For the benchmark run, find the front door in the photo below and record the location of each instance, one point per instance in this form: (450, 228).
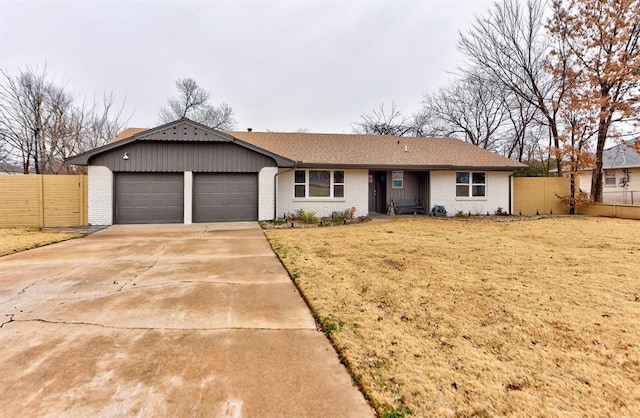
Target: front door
(377, 192)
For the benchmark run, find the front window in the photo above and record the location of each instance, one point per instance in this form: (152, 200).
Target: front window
(318, 183)
(397, 180)
(610, 177)
(300, 183)
(470, 184)
(338, 183)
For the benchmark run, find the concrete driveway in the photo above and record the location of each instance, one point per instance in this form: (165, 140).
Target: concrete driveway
(155, 320)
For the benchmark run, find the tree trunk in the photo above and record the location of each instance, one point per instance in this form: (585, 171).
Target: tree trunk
(596, 178)
(572, 198)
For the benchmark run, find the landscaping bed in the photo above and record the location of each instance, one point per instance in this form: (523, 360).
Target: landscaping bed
(440, 317)
(306, 219)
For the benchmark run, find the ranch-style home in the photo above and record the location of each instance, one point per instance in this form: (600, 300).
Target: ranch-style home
(184, 172)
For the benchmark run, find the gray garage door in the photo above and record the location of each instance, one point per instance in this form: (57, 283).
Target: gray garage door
(225, 197)
(149, 198)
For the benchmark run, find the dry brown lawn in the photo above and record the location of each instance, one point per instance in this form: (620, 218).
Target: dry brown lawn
(20, 239)
(444, 317)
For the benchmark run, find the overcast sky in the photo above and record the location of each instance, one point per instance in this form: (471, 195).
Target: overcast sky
(282, 65)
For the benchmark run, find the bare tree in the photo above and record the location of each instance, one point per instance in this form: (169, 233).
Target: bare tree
(509, 45)
(105, 120)
(193, 102)
(525, 130)
(381, 122)
(471, 108)
(41, 124)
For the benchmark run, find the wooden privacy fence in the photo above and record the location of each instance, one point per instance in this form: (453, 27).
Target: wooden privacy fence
(40, 201)
(613, 211)
(533, 195)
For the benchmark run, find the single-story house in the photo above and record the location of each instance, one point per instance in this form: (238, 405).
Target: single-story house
(620, 175)
(186, 172)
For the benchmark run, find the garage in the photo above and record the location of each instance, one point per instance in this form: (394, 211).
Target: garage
(149, 198)
(180, 172)
(225, 197)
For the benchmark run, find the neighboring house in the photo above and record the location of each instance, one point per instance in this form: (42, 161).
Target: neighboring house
(620, 175)
(187, 172)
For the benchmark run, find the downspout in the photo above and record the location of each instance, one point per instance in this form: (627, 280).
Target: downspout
(275, 190)
(510, 197)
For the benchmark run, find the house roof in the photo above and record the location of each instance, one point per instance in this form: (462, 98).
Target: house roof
(127, 133)
(182, 130)
(327, 150)
(622, 155)
(310, 149)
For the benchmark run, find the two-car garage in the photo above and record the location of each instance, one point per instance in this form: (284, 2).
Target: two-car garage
(181, 172)
(159, 197)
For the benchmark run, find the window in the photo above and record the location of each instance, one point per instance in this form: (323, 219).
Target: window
(318, 183)
(300, 183)
(610, 177)
(470, 184)
(397, 179)
(338, 184)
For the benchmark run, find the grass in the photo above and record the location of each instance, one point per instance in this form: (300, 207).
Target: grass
(20, 239)
(438, 317)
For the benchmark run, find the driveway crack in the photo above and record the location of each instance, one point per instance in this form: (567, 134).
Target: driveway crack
(135, 276)
(9, 321)
(93, 324)
(24, 290)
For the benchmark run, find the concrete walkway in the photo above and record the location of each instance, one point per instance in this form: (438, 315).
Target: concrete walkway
(175, 320)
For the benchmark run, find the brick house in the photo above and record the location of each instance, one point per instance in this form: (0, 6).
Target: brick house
(186, 172)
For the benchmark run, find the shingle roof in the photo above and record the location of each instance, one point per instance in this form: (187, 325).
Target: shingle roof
(129, 132)
(350, 150)
(376, 150)
(621, 156)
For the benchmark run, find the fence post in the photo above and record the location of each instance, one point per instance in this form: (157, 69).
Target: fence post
(81, 203)
(41, 198)
(546, 195)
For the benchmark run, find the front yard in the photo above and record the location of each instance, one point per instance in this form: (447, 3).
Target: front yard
(444, 317)
(20, 239)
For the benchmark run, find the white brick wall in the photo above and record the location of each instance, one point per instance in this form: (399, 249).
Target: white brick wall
(356, 193)
(266, 193)
(100, 195)
(443, 192)
(188, 197)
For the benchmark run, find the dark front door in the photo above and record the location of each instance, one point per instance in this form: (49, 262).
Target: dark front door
(377, 192)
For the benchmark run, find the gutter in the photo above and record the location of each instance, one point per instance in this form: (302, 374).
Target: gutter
(510, 193)
(275, 189)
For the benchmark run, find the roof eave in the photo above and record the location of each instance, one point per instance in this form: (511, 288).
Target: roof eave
(83, 158)
(420, 167)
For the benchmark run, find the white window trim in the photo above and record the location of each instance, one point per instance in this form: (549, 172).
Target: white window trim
(332, 183)
(471, 184)
(401, 179)
(615, 179)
